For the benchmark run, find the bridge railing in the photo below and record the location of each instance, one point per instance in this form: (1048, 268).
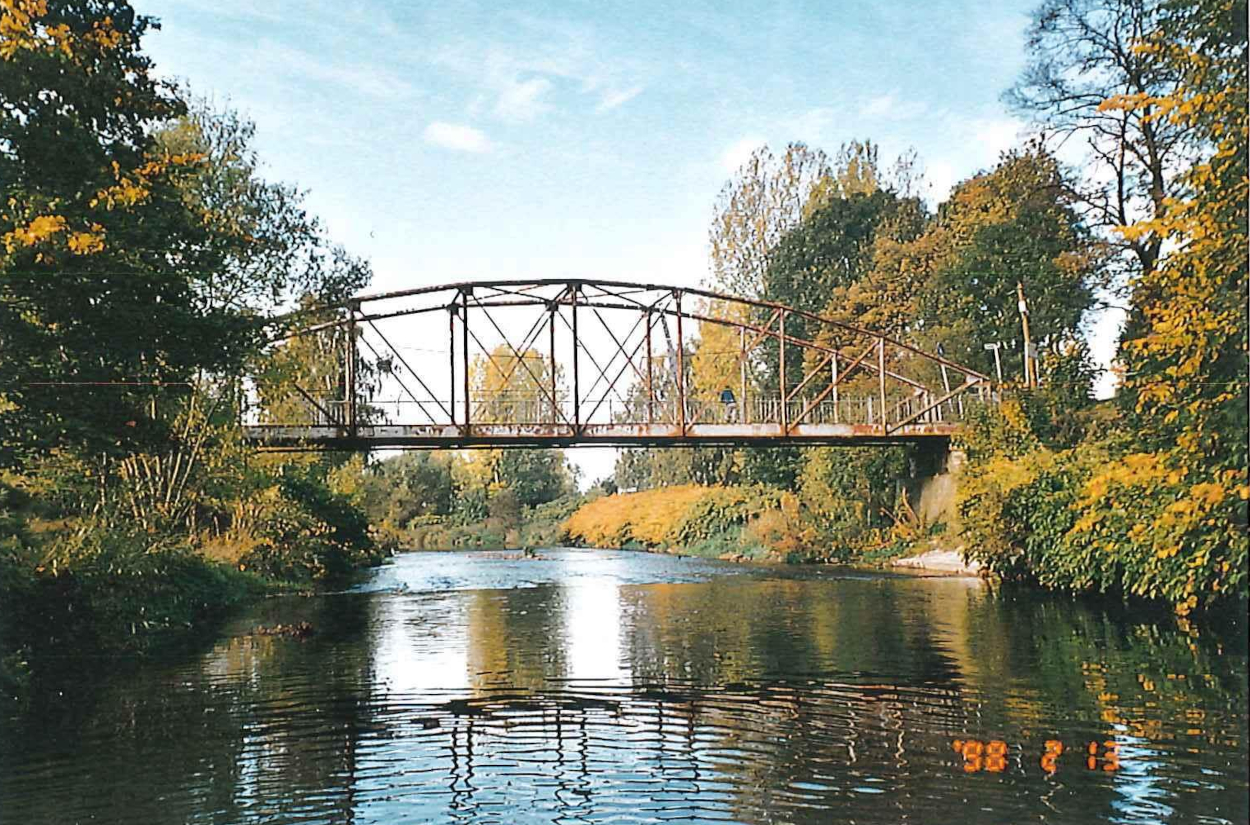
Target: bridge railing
(537, 410)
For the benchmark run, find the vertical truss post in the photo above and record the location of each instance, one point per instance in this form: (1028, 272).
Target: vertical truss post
(742, 375)
(577, 401)
(834, 385)
(464, 356)
(881, 377)
(681, 372)
(350, 370)
(781, 369)
(650, 374)
(552, 309)
(451, 358)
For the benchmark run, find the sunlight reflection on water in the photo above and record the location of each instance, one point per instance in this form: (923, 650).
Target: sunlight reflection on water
(596, 686)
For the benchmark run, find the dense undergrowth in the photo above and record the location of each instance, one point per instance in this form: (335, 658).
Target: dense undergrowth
(74, 582)
(1100, 514)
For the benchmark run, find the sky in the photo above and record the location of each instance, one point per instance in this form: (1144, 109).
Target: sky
(454, 140)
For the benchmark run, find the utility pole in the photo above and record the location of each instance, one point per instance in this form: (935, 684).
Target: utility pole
(998, 362)
(1030, 366)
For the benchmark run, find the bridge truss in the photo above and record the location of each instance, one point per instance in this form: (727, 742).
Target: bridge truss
(562, 362)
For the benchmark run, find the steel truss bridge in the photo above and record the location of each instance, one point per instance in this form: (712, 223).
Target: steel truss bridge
(563, 362)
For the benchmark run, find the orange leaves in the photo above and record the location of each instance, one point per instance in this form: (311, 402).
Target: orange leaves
(45, 230)
(18, 25)
(38, 231)
(647, 517)
(22, 29)
(86, 243)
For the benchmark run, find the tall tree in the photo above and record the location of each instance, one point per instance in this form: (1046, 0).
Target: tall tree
(92, 303)
(755, 209)
(1187, 366)
(261, 249)
(1014, 224)
(1082, 54)
(139, 251)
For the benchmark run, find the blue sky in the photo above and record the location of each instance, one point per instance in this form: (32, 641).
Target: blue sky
(457, 140)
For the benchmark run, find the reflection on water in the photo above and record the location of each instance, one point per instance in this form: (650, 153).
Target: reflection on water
(615, 687)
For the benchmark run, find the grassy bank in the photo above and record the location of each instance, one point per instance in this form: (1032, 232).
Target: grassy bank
(739, 523)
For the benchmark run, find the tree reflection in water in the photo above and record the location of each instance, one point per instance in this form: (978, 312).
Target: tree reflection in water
(627, 687)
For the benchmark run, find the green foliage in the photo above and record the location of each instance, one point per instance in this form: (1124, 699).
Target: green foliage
(308, 531)
(847, 492)
(409, 486)
(720, 511)
(1016, 514)
(993, 430)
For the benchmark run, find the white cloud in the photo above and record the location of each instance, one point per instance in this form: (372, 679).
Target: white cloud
(739, 151)
(940, 177)
(890, 107)
(456, 137)
(542, 65)
(812, 126)
(374, 81)
(613, 99)
(522, 100)
(996, 135)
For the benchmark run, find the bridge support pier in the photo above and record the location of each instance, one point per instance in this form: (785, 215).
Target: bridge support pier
(935, 482)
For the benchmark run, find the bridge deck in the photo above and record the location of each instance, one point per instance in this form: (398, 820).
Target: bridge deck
(618, 435)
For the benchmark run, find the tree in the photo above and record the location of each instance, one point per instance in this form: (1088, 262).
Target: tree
(1082, 54)
(139, 252)
(1014, 224)
(92, 308)
(765, 199)
(507, 386)
(407, 486)
(1187, 365)
(262, 249)
(953, 284)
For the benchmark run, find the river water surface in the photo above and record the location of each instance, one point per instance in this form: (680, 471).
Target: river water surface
(604, 686)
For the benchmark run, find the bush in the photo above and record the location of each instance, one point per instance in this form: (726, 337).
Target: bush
(308, 531)
(117, 590)
(1100, 517)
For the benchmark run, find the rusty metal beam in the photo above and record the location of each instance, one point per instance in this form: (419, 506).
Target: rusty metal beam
(414, 375)
(942, 400)
(657, 288)
(807, 378)
(515, 354)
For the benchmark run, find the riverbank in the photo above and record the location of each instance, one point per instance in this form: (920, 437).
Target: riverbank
(126, 594)
(949, 562)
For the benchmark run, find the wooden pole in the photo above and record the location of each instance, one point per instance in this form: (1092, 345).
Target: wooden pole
(834, 377)
(1030, 368)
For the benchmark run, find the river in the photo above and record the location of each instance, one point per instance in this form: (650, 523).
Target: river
(606, 686)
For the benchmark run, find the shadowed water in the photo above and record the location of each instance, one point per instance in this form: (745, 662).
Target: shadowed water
(597, 686)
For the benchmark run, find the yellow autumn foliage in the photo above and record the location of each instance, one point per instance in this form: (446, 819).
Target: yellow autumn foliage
(646, 517)
(37, 231)
(23, 28)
